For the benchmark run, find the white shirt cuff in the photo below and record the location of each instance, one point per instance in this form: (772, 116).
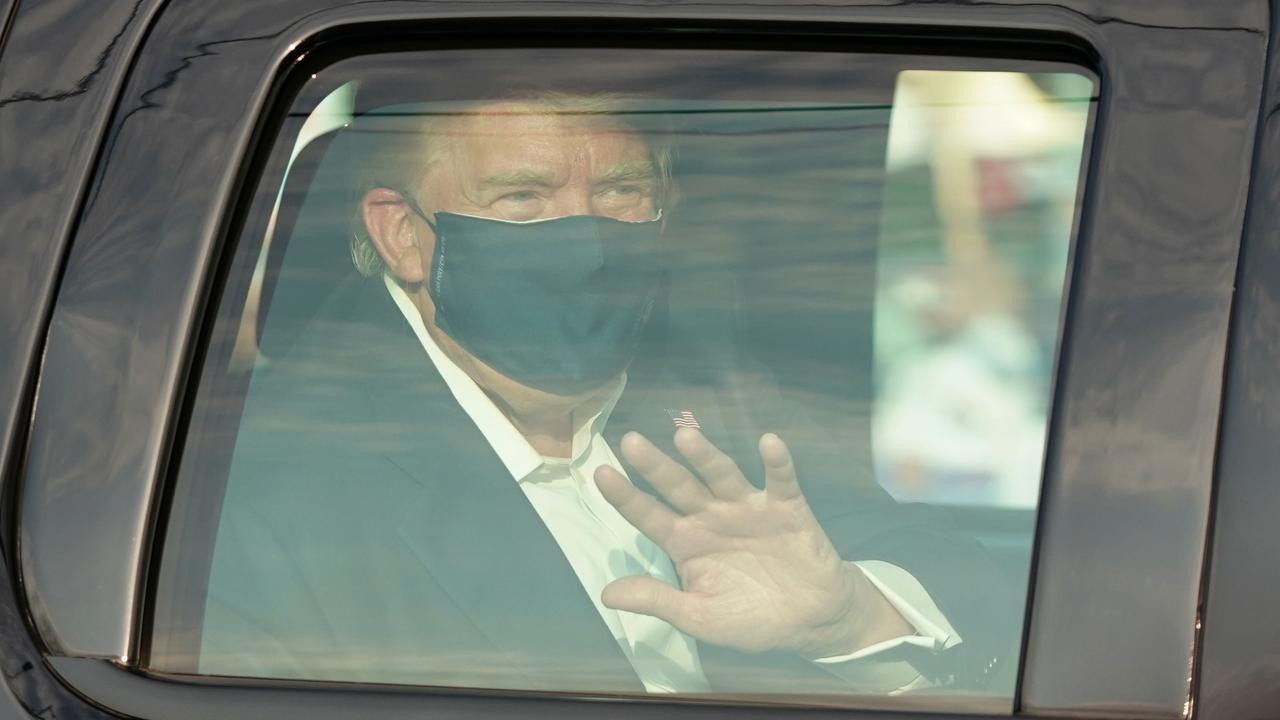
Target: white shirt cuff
(913, 603)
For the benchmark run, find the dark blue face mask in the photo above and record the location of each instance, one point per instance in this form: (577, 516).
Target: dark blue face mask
(558, 305)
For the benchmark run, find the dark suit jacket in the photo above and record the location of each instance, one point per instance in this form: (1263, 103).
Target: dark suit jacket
(369, 532)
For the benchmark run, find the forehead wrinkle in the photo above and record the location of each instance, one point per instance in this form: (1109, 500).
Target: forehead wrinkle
(445, 171)
(480, 165)
(518, 160)
(545, 148)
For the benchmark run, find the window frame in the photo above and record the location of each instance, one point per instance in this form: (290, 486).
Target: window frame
(1235, 675)
(171, 335)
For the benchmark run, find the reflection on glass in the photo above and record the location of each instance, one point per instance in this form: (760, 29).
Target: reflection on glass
(576, 390)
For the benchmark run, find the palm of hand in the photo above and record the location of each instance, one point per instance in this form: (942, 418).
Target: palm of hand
(758, 573)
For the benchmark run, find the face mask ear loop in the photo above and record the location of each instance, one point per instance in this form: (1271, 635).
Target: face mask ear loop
(417, 209)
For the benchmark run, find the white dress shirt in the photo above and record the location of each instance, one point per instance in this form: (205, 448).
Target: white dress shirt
(601, 546)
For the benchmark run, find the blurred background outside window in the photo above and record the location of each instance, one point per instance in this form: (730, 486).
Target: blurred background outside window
(976, 231)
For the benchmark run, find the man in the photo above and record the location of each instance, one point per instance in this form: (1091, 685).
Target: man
(477, 526)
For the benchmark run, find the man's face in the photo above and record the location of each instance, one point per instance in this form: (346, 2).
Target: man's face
(509, 162)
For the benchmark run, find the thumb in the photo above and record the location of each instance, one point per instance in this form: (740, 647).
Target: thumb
(647, 596)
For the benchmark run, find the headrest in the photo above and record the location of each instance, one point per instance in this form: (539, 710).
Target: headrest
(310, 249)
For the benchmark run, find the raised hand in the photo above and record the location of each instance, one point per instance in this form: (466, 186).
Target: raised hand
(757, 571)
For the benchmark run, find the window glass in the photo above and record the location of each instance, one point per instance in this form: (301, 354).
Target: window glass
(974, 233)
(615, 370)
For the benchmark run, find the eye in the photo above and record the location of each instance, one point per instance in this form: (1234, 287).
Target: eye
(522, 196)
(624, 193)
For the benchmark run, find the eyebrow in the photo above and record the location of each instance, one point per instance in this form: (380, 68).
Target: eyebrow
(629, 171)
(532, 178)
(519, 178)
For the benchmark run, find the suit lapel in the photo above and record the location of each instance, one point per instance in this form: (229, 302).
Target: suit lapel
(484, 545)
(474, 531)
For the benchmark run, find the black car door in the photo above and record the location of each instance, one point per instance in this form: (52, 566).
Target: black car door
(138, 140)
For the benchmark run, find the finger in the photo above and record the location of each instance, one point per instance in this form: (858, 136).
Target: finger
(717, 470)
(641, 509)
(647, 596)
(667, 476)
(779, 472)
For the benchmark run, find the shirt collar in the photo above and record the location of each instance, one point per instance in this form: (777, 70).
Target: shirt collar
(512, 448)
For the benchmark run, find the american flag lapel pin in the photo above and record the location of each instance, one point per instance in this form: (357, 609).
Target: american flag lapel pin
(683, 418)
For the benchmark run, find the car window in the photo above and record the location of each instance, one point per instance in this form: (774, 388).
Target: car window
(709, 373)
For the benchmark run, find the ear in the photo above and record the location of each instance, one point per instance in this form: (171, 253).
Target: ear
(391, 228)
